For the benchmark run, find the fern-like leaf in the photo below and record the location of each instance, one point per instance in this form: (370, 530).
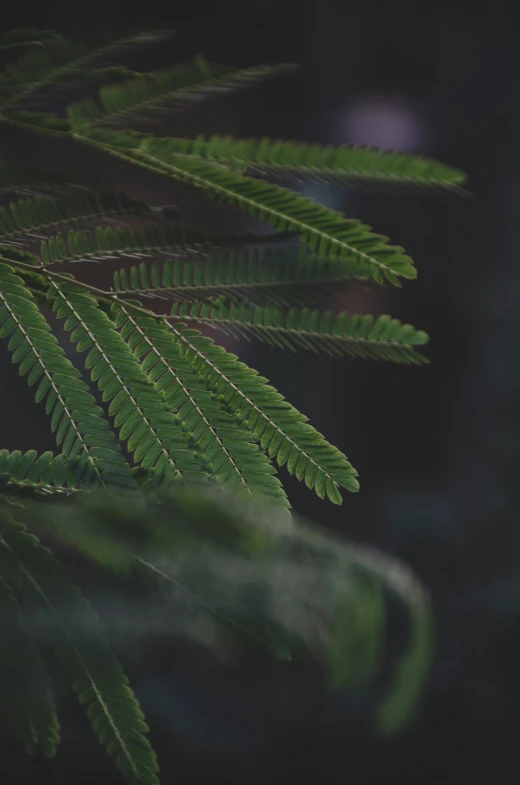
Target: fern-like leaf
(77, 420)
(42, 474)
(63, 61)
(400, 704)
(263, 412)
(108, 242)
(228, 454)
(325, 231)
(274, 276)
(79, 644)
(122, 102)
(26, 218)
(316, 161)
(153, 435)
(27, 703)
(381, 338)
(354, 654)
(115, 532)
(345, 610)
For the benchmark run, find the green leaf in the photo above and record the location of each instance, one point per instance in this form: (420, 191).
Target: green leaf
(264, 413)
(105, 243)
(324, 231)
(79, 645)
(30, 474)
(78, 421)
(353, 657)
(379, 338)
(27, 705)
(226, 452)
(132, 398)
(28, 216)
(62, 60)
(128, 101)
(281, 276)
(316, 161)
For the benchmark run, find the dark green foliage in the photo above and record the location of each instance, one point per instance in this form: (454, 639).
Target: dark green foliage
(301, 328)
(63, 61)
(151, 240)
(95, 674)
(215, 548)
(281, 277)
(27, 704)
(227, 453)
(126, 102)
(280, 429)
(78, 422)
(173, 408)
(20, 218)
(346, 162)
(137, 410)
(211, 548)
(43, 474)
(324, 231)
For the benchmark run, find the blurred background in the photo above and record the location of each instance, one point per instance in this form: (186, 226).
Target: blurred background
(437, 448)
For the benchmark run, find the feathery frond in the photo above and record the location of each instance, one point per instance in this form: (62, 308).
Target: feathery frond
(27, 218)
(79, 645)
(411, 671)
(228, 454)
(324, 231)
(216, 539)
(78, 422)
(400, 702)
(112, 242)
(64, 61)
(125, 102)
(281, 277)
(153, 436)
(27, 704)
(263, 412)
(355, 651)
(186, 411)
(381, 338)
(42, 474)
(314, 160)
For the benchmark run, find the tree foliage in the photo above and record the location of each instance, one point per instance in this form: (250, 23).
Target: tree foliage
(148, 405)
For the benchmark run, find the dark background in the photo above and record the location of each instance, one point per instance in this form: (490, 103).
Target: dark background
(436, 447)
